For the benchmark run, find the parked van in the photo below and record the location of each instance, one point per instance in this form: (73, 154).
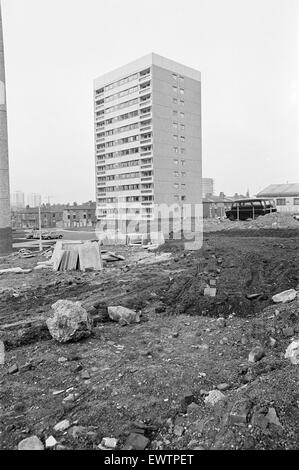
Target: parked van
(243, 209)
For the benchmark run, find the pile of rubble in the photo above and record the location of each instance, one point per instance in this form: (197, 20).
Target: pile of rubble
(270, 221)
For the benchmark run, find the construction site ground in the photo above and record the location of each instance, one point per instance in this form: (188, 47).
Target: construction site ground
(142, 378)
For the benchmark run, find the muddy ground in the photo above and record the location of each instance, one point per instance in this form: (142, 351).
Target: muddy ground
(152, 378)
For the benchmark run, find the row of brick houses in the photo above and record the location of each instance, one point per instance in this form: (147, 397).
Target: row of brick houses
(286, 197)
(56, 216)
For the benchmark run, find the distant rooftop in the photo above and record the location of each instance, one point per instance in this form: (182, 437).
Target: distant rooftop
(143, 62)
(276, 190)
(220, 198)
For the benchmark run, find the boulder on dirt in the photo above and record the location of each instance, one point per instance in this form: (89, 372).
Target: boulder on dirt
(214, 397)
(123, 315)
(285, 296)
(31, 443)
(292, 352)
(256, 354)
(69, 322)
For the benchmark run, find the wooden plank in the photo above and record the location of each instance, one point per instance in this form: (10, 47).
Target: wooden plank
(90, 257)
(57, 260)
(73, 259)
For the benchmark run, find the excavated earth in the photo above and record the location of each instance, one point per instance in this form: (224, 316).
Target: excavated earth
(142, 378)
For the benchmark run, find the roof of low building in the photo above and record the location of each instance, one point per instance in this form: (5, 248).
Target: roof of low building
(210, 198)
(276, 190)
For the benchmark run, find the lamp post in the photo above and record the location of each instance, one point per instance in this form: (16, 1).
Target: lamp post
(5, 216)
(40, 229)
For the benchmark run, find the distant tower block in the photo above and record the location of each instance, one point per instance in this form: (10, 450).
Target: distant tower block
(5, 219)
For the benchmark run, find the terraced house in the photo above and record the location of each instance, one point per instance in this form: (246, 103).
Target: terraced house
(147, 139)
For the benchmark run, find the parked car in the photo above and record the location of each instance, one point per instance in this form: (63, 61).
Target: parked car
(244, 209)
(51, 236)
(33, 235)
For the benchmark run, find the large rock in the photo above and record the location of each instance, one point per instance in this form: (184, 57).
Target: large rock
(31, 443)
(69, 322)
(256, 354)
(214, 397)
(292, 352)
(285, 296)
(123, 315)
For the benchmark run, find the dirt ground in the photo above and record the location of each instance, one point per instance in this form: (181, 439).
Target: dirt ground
(152, 378)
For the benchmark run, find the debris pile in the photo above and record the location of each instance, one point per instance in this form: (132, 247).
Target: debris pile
(269, 221)
(76, 256)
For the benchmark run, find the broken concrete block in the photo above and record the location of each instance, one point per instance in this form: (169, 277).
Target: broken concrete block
(289, 331)
(193, 407)
(123, 314)
(256, 354)
(31, 443)
(13, 369)
(136, 442)
(214, 397)
(259, 419)
(272, 342)
(178, 431)
(285, 296)
(62, 425)
(239, 412)
(51, 442)
(85, 375)
(69, 322)
(109, 442)
(292, 352)
(272, 417)
(77, 431)
(15, 271)
(210, 291)
(186, 400)
(26, 367)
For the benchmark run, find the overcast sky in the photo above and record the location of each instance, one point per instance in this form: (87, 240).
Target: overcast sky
(246, 50)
